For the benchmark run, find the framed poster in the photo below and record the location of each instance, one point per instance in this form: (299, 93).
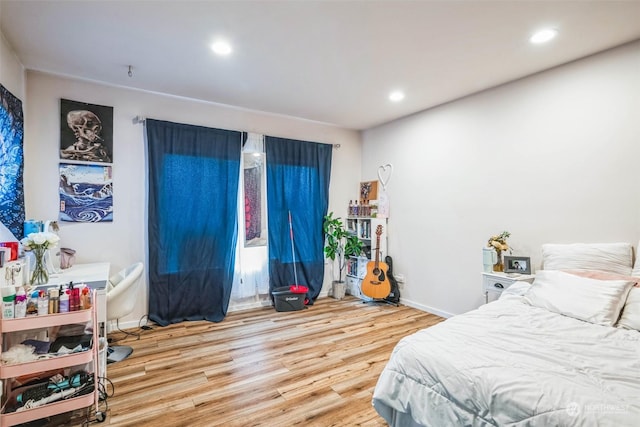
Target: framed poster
(368, 191)
(86, 132)
(86, 193)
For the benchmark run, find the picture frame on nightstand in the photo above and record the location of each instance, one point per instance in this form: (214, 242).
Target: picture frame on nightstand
(517, 264)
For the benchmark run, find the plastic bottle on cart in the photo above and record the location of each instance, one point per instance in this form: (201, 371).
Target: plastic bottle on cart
(74, 297)
(54, 300)
(75, 306)
(32, 304)
(64, 300)
(8, 302)
(85, 298)
(43, 303)
(21, 303)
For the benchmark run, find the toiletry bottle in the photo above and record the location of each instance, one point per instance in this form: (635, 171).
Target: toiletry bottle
(85, 299)
(74, 298)
(64, 301)
(8, 306)
(54, 300)
(21, 303)
(32, 304)
(51, 303)
(71, 298)
(43, 303)
(8, 301)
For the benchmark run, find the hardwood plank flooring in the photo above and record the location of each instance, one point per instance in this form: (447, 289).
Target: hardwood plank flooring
(314, 367)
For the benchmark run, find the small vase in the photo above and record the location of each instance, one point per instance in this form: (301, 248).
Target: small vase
(498, 266)
(40, 274)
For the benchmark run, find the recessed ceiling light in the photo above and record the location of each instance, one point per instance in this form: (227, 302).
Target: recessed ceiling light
(221, 47)
(396, 96)
(543, 36)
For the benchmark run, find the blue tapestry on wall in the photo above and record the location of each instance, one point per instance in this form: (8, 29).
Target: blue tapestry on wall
(11, 163)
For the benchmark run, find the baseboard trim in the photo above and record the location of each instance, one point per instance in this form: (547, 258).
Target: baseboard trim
(259, 304)
(250, 305)
(426, 308)
(131, 324)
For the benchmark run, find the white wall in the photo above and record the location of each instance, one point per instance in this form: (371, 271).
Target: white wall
(123, 241)
(11, 70)
(550, 158)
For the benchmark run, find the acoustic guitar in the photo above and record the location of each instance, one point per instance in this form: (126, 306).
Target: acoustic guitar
(376, 282)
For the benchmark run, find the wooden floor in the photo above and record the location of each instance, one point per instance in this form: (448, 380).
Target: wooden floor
(314, 367)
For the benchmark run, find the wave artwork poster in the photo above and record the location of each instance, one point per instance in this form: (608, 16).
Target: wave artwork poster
(86, 193)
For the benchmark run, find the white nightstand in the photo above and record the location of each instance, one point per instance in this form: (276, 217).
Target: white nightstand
(498, 282)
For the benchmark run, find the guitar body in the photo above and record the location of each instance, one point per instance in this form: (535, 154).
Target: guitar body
(376, 283)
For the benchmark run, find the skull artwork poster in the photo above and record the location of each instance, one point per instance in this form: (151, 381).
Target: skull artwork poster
(86, 132)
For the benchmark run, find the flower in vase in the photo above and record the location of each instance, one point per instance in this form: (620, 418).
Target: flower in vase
(499, 242)
(42, 240)
(39, 243)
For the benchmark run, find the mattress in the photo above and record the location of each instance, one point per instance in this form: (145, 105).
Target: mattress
(511, 364)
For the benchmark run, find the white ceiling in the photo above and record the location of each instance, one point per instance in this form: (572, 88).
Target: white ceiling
(327, 61)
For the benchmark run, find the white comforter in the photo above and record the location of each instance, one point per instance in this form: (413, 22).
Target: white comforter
(509, 363)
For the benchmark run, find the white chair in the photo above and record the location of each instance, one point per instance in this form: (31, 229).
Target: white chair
(122, 291)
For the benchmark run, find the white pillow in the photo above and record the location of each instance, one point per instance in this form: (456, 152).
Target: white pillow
(610, 257)
(591, 300)
(630, 318)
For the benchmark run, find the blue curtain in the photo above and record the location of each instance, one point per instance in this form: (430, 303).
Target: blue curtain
(11, 163)
(193, 198)
(298, 175)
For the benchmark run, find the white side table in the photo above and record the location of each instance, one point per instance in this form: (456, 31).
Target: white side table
(497, 282)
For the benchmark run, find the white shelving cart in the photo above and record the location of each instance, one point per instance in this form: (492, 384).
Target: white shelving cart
(365, 229)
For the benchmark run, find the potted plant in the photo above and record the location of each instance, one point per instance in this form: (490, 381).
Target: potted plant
(340, 244)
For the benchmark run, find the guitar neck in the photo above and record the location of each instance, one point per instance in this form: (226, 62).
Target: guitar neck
(377, 249)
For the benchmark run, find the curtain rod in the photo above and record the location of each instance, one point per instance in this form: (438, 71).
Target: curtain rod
(141, 119)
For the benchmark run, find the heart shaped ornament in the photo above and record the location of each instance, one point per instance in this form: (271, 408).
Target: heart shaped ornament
(384, 174)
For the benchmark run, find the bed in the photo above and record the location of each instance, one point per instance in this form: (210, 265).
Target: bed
(563, 351)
